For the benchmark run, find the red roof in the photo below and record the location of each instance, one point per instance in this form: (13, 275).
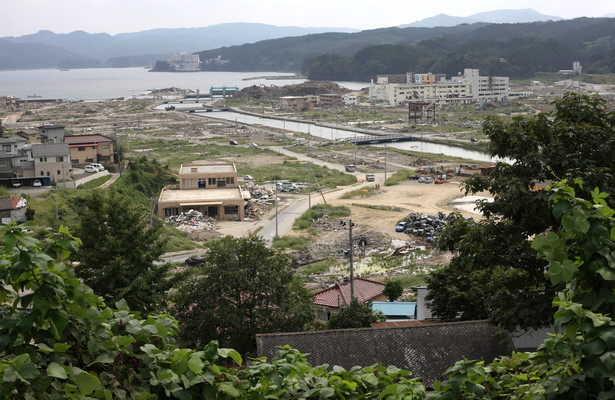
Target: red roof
(364, 290)
(87, 139)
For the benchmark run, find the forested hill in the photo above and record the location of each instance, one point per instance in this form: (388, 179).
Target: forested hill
(515, 50)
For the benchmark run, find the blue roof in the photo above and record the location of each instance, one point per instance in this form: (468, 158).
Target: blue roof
(399, 309)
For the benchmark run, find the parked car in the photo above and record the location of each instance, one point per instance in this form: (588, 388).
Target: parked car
(247, 177)
(401, 226)
(91, 168)
(351, 168)
(233, 143)
(370, 177)
(37, 183)
(428, 180)
(421, 179)
(16, 184)
(254, 145)
(169, 108)
(99, 167)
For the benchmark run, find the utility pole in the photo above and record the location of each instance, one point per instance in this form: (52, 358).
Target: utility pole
(309, 186)
(117, 145)
(355, 150)
(151, 219)
(351, 261)
(276, 210)
(385, 162)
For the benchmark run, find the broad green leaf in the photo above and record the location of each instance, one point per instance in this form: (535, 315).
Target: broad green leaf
(325, 393)
(87, 382)
(561, 272)
(125, 340)
(195, 364)
(232, 354)
(61, 347)
(230, 389)
(56, 370)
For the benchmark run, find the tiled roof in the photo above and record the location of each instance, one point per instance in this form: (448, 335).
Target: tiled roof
(364, 290)
(82, 139)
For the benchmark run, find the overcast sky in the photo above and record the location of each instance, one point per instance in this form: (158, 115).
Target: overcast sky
(19, 17)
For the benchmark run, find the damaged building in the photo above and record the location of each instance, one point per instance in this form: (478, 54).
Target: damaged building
(210, 188)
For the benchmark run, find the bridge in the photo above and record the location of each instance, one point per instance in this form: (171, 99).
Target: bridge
(374, 139)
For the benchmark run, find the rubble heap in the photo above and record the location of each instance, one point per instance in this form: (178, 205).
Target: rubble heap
(425, 225)
(255, 209)
(302, 89)
(193, 220)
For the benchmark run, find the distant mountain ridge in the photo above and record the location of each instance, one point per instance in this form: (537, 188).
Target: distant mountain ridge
(492, 17)
(99, 48)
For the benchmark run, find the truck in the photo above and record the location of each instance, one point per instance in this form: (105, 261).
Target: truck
(351, 168)
(299, 142)
(370, 177)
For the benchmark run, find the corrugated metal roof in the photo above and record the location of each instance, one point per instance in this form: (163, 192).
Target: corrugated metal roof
(364, 290)
(399, 309)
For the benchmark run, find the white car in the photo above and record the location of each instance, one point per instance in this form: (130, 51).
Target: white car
(247, 178)
(254, 145)
(37, 183)
(99, 167)
(90, 168)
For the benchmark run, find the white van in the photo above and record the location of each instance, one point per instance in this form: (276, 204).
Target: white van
(90, 168)
(98, 167)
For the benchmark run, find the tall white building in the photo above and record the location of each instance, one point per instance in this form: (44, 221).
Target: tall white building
(184, 61)
(466, 88)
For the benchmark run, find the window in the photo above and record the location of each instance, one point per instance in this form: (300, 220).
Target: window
(211, 181)
(230, 181)
(105, 146)
(171, 212)
(43, 159)
(2, 164)
(231, 210)
(58, 172)
(80, 148)
(189, 182)
(6, 147)
(48, 174)
(60, 159)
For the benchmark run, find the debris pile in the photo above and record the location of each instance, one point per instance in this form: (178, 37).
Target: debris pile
(302, 89)
(193, 220)
(425, 225)
(255, 209)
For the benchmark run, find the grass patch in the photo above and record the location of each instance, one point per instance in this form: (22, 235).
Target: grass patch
(378, 207)
(177, 240)
(317, 211)
(400, 176)
(292, 242)
(94, 183)
(295, 171)
(360, 193)
(319, 267)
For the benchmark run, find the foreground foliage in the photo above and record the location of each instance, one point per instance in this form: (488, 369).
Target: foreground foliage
(58, 340)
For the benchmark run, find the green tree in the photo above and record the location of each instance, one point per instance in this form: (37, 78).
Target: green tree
(119, 250)
(495, 273)
(355, 315)
(245, 288)
(392, 290)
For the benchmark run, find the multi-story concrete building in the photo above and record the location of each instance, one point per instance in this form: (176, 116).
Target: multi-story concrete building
(298, 103)
(466, 88)
(330, 100)
(210, 188)
(184, 62)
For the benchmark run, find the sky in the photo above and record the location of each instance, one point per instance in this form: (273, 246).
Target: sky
(21, 17)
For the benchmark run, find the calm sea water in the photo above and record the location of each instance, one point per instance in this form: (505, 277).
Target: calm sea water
(110, 83)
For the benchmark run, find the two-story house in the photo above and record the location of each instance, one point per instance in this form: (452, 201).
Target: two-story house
(52, 160)
(13, 154)
(210, 188)
(86, 149)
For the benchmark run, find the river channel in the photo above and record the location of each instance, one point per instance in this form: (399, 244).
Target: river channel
(327, 132)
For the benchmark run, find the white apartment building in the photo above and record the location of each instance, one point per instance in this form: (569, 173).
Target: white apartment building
(184, 61)
(466, 88)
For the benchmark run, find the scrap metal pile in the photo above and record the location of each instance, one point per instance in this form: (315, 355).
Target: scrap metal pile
(425, 225)
(192, 220)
